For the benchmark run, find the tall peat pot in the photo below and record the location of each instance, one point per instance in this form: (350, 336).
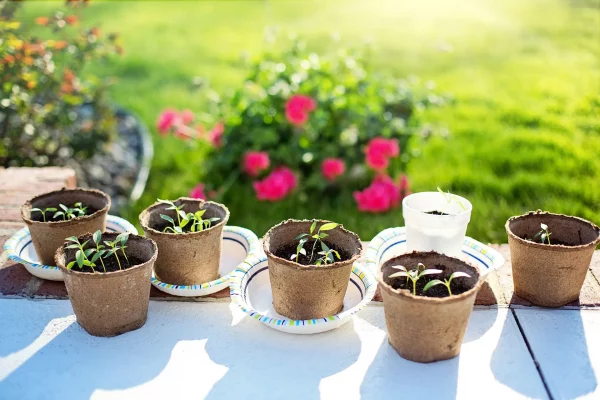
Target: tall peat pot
(550, 275)
(49, 236)
(426, 329)
(111, 303)
(309, 291)
(188, 258)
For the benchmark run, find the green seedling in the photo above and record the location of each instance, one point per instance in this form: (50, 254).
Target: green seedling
(78, 210)
(100, 249)
(451, 197)
(116, 245)
(82, 255)
(327, 256)
(44, 211)
(544, 233)
(197, 223)
(413, 275)
(318, 236)
(446, 282)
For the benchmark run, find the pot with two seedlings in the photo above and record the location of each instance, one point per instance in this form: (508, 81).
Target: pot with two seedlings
(309, 267)
(189, 236)
(428, 298)
(54, 216)
(107, 276)
(550, 255)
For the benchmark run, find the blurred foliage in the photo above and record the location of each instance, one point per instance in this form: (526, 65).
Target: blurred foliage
(353, 105)
(42, 87)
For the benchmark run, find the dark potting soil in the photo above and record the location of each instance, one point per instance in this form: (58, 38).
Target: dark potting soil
(458, 285)
(286, 252)
(37, 216)
(111, 264)
(436, 212)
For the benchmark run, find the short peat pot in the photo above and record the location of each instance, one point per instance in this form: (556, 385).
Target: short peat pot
(309, 284)
(550, 255)
(189, 253)
(436, 221)
(109, 292)
(54, 216)
(427, 324)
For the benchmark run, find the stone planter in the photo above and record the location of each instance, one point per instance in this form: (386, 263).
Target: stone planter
(188, 258)
(550, 275)
(427, 329)
(49, 236)
(430, 232)
(112, 303)
(308, 291)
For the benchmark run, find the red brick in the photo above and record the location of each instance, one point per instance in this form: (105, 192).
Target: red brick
(14, 279)
(52, 289)
(10, 214)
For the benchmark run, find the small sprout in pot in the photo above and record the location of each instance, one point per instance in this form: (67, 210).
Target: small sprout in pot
(183, 220)
(544, 233)
(413, 275)
(44, 211)
(326, 253)
(67, 213)
(450, 198)
(88, 257)
(82, 256)
(446, 282)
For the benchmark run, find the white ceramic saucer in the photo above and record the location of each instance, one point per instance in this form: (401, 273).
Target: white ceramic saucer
(239, 244)
(20, 248)
(391, 242)
(251, 291)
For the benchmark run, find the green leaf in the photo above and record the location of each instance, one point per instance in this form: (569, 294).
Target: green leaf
(88, 252)
(200, 213)
(167, 218)
(65, 208)
(97, 236)
(79, 258)
(398, 274)
(72, 239)
(313, 226)
(58, 214)
(97, 256)
(400, 267)
(430, 272)
(178, 229)
(324, 246)
(337, 254)
(432, 283)
(327, 227)
(51, 209)
(323, 235)
(36, 209)
(315, 236)
(183, 222)
(301, 236)
(182, 214)
(70, 265)
(72, 246)
(459, 274)
(319, 261)
(122, 237)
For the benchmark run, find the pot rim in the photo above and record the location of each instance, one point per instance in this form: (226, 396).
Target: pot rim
(105, 275)
(295, 265)
(552, 247)
(462, 213)
(407, 295)
(28, 205)
(152, 208)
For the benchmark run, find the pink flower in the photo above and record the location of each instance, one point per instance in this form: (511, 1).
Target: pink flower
(187, 116)
(404, 185)
(378, 152)
(198, 192)
(216, 134)
(166, 121)
(277, 185)
(297, 109)
(255, 162)
(332, 168)
(381, 196)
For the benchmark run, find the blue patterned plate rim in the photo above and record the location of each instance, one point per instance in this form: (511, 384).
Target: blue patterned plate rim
(238, 297)
(252, 248)
(11, 244)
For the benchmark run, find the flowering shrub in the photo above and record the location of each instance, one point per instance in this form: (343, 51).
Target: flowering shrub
(42, 89)
(312, 123)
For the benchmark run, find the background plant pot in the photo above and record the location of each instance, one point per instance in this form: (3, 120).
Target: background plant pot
(188, 258)
(108, 304)
(308, 292)
(49, 236)
(428, 232)
(426, 329)
(550, 275)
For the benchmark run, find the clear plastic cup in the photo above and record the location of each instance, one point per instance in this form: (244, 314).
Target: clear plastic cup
(442, 233)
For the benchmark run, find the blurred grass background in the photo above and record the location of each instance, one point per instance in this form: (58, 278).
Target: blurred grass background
(525, 78)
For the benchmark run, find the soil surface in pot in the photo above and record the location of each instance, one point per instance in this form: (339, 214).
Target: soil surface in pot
(111, 264)
(436, 212)
(286, 252)
(458, 285)
(575, 242)
(37, 216)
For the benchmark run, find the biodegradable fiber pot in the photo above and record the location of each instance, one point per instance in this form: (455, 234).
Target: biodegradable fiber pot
(108, 304)
(427, 329)
(550, 275)
(188, 258)
(308, 292)
(49, 236)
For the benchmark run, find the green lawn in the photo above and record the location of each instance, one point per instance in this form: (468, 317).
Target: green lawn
(524, 75)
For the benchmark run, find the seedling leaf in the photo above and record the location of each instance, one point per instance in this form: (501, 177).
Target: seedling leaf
(328, 226)
(431, 284)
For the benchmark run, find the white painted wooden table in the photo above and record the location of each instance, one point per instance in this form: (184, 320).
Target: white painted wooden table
(197, 350)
